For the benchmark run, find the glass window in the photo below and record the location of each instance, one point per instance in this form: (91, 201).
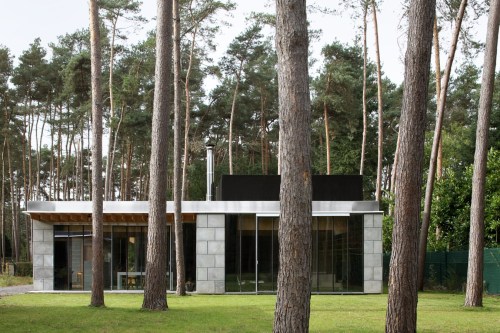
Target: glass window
(268, 254)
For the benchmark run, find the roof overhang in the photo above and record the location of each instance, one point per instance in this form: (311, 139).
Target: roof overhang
(136, 212)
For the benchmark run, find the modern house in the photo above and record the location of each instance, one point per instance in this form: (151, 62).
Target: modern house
(231, 244)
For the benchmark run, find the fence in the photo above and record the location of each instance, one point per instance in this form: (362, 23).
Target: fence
(448, 270)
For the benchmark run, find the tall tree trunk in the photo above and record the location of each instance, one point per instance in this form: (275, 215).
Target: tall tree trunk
(263, 133)
(231, 119)
(15, 225)
(155, 297)
(474, 292)
(128, 174)
(59, 157)
(179, 240)
(378, 190)
(437, 65)
(429, 189)
(365, 112)
(97, 297)
(327, 126)
(4, 147)
(295, 232)
(402, 299)
(109, 165)
(187, 117)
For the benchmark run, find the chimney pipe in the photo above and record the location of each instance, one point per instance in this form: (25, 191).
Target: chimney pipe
(210, 171)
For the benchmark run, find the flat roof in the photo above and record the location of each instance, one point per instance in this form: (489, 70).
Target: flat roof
(116, 212)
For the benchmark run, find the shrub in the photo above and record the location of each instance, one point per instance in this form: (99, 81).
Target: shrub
(24, 269)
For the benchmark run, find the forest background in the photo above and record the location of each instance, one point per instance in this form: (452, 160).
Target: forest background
(230, 98)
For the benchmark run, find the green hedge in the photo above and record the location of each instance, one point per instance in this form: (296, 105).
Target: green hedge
(23, 269)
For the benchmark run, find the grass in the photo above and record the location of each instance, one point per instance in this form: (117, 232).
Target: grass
(233, 313)
(9, 280)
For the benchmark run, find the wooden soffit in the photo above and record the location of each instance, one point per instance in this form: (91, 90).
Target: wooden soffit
(108, 218)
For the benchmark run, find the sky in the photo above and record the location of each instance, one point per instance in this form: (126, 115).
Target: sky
(21, 21)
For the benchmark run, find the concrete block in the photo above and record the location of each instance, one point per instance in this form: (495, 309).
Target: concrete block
(216, 221)
(368, 223)
(377, 273)
(38, 284)
(377, 220)
(220, 234)
(48, 284)
(37, 225)
(38, 235)
(48, 235)
(220, 261)
(202, 274)
(43, 273)
(368, 274)
(205, 260)
(368, 246)
(37, 260)
(205, 234)
(220, 287)
(201, 221)
(377, 246)
(43, 248)
(372, 234)
(216, 274)
(372, 287)
(216, 247)
(205, 287)
(201, 247)
(373, 260)
(48, 260)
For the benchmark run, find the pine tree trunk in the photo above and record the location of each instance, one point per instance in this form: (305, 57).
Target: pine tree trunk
(365, 112)
(474, 292)
(155, 297)
(429, 189)
(4, 147)
(292, 309)
(187, 119)
(179, 240)
(97, 296)
(380, 145)
(402, 300)
(327, 127)
(231, 119)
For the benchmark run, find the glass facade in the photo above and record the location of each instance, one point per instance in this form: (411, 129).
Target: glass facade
(337, 253)
(124, 256)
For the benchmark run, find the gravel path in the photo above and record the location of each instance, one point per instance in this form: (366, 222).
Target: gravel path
(14, 290)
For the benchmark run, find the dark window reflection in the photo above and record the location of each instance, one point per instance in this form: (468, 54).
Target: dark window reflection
(337, 253)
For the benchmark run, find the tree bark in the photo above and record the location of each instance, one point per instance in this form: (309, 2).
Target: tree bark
(429, 189)
(295, 236)
(327, 127)
(155, 297)
(380, 145)
(231, 119)
(108, 185)
(179, 240)
(97, 297)
(402, 300)
(187, 119)
(474, 292)
(365, 112)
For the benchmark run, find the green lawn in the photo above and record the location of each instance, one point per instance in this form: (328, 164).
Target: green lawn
(238, 313)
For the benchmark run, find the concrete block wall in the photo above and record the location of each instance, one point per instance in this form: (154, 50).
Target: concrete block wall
(43, 256)
(373, 254)
(210, 257)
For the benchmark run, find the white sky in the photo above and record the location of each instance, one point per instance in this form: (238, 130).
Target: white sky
(21, 21)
